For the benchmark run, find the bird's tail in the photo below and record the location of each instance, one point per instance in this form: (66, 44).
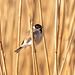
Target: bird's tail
(17, 50)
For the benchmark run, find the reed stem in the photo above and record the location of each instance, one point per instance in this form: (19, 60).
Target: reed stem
(34, 57)
(56, 19)
(18, 42)
(44, 40)
(2, 54)
(67, 51)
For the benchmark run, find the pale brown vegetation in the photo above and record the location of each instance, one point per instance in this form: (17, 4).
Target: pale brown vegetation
(55, 55)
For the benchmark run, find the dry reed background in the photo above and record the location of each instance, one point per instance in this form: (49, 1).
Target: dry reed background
(9, 11)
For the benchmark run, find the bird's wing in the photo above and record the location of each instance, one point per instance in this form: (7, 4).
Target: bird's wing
(28, 37)
(22, 42)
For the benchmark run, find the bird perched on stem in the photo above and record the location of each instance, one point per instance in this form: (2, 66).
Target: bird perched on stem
(37, 36)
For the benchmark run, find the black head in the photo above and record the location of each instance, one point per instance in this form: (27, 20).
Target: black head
(38, 26)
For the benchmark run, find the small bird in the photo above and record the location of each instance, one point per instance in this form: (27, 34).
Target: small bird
(37, 36)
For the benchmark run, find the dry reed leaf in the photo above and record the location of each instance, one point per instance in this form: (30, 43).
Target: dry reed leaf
(67, 51)
(2, 55)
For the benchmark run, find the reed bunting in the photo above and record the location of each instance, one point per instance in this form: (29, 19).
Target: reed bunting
(37, 36)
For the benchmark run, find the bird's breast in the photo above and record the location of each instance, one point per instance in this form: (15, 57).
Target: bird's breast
(38, 38)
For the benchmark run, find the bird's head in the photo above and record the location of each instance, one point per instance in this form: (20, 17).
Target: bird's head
(37, 26)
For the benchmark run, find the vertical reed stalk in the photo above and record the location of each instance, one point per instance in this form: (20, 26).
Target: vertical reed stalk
(34, 57)
(18, 42)
(1, 72)
(72, 26)
(67, 51)
(56, 19)
(44, 40)
(60, 31)
(72, 20)
(2, 54)
(74, 71)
